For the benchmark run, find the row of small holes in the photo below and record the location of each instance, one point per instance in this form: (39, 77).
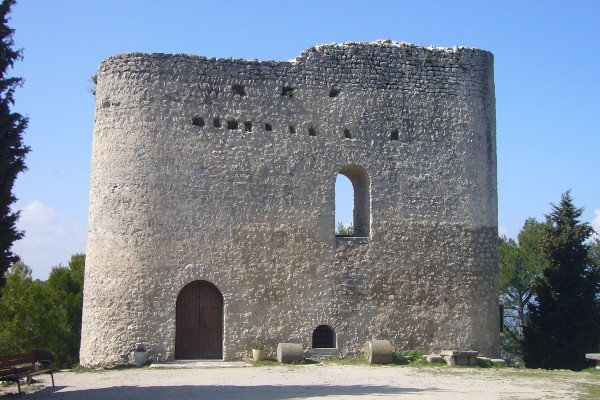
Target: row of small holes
(233, 124)
(285, 91)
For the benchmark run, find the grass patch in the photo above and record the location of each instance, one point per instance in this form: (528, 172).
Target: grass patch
(267, 362)
(592, 370)
(588, 391)
(304, 361)
(360, 360)
(271, 362)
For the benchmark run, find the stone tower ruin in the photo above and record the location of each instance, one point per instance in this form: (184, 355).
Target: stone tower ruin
(212, 203)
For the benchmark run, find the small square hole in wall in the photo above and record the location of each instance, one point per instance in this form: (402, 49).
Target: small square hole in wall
(268, 127)
(312, 131)
(347, 134)
(217, 123)
(248, 126)
(198, 121)
(394, 135)
(334, 92)
(292, 129)
(287, 92)
(238, 89)
(232, 124)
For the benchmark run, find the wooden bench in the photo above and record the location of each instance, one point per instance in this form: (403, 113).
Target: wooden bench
(23, 366)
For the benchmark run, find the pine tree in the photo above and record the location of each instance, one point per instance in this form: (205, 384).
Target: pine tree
(12, 149)
(564, 321)
(520, 262)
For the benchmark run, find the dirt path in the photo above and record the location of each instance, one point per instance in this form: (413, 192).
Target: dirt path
(314, 382)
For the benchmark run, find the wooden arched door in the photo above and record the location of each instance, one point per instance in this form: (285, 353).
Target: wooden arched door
(199, 322)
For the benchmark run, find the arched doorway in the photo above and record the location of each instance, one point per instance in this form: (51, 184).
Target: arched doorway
(323, 338)
(199, 322)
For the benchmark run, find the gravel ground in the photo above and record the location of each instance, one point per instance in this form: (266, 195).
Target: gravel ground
(320, 381)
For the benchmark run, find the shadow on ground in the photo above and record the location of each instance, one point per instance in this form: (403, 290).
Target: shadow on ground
(218, 392)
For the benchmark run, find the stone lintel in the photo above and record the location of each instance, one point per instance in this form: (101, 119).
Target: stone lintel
(593, 356)
(459, 353)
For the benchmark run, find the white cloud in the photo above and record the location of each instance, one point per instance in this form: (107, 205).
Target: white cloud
(50, 238)
(37, 213)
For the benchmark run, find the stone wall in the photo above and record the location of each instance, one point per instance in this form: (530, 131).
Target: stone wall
(224, 170)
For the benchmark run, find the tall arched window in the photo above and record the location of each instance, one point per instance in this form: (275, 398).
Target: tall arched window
(359, 197)
(344, 204)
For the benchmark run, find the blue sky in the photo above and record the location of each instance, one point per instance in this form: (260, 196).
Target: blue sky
(547, 63)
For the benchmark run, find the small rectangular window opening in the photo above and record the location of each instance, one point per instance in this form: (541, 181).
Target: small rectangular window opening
(238, 89)
(292, 129)
(198, 121)
(217, 123)
(312, 132)
(248, 126)
(287, 92)
(232, 124)
(268, 127)
(394, 135)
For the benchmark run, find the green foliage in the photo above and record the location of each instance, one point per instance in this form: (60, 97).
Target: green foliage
(94, 81)
(511, 346)
(267, 362)
(594, 250)
(36, 314)
(343, 230)
(415, 355)
(358, 360)
(65, 285)
(303, 361)
(564, 321)
(12, 149)
(29, 315)
(520, 263)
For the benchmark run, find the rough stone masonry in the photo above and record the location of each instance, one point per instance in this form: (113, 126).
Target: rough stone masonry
(212, 203)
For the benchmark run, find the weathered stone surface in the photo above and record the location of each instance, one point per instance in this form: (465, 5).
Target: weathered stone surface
(378, 351)
(594, 356)
(434, 358)
(498, 361)
(323, 353)
(484, 361)
(288, 352)
(224, 170)
(460, 357)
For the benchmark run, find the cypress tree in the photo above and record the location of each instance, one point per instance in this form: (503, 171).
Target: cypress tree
(564, 321)
(12, 149)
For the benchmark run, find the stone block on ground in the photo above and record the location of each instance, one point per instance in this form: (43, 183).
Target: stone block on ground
(288, 352)
(498, 361)
(378, 351)
(460, 357)
(484, 361)
(594, 356)
(434, 358)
